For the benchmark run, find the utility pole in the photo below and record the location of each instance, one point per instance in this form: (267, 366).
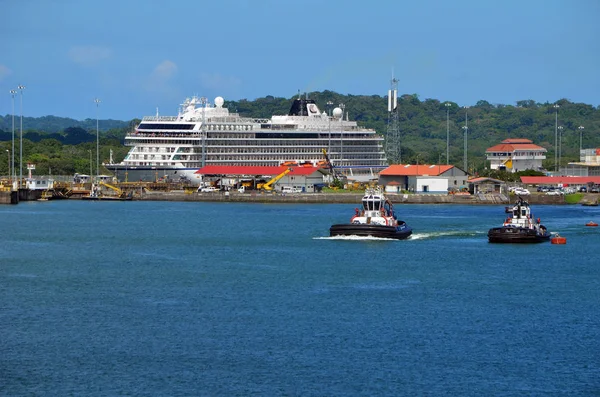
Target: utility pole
(97, 102)
(556, 106)
(14, 174)
(21, 88)
(447, 104)
(466, 128)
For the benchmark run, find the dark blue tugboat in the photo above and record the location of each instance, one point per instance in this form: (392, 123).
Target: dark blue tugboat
(520, 227)
(376, 219)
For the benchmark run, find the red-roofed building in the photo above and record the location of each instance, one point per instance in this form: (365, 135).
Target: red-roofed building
(422, 178)
(229, 176)
(516, 154)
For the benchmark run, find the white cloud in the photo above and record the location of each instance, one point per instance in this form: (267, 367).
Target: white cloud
(164, 71)
(89, 55)
(4, 72)
(159, 83)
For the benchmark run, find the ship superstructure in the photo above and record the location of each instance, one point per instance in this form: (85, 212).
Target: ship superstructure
(175, 147)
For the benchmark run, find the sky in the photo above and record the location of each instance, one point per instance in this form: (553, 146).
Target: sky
(138, 56)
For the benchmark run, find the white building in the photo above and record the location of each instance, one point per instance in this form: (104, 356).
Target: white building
(422, 178)
(515, 155)
(588, 165)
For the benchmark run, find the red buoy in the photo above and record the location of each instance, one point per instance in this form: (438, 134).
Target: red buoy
(590, 223)
(558, 239)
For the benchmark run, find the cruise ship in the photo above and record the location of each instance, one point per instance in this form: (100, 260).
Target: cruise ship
(173, 148)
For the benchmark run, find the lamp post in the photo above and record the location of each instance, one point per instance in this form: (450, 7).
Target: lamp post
(560, 130)
(329, 107)
(447, 132)
(203, 100)
(21, 88)
(91, 172)
(466, 128)
(580, 128)
(343, 107)
(97, 102)
(556, 106)
(8, 152)
(13, 93)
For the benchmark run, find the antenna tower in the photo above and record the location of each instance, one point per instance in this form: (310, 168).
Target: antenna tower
(392, 142)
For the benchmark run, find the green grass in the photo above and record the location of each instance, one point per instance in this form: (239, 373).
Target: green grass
(574, 198)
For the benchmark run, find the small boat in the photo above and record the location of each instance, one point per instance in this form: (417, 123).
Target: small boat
(590, 204)
(376, 219)
(557, 239)
(520, 227)
(590, 223)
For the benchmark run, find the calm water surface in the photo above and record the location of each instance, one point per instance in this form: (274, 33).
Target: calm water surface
(228, 299)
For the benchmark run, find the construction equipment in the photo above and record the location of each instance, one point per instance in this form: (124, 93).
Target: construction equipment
(120, 193)
(337, 178)
(269, 185)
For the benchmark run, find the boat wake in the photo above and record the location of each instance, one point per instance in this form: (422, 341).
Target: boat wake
(432, 235)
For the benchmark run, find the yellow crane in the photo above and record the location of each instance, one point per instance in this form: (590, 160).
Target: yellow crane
(120, 193)
(269, 185)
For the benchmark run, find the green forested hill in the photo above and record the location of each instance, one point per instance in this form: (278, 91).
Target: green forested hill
(63, 145)
(53, 124)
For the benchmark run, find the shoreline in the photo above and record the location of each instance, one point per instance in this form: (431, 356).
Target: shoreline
(344, 198)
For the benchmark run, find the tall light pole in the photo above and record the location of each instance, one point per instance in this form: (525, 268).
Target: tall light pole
(343, 107)
(203, 100)
(8, 152)
(447, 132)
(580, 128)
(91, 172)
(560, 130)
(556, 106)
(466, 128)
(329, 107)
(21, 88)
(97, 102)
(13, 93)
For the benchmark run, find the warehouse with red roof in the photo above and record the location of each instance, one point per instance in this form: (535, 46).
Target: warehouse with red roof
(422, 178)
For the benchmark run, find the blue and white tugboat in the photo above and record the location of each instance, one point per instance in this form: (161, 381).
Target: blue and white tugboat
(376, 219)
(520, 227)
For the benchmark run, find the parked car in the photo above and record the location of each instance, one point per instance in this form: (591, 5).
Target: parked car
(208, 189)
(583, 189)
(595, 189)
(522, 192)
(555, 193)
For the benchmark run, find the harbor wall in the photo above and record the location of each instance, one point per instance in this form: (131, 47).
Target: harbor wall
(9, 197)
(351, 198)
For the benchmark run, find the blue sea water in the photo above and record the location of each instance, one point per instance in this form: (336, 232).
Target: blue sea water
(232, 299)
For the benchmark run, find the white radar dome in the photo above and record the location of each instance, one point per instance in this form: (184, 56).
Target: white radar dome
(219, 101)
(337, 113)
